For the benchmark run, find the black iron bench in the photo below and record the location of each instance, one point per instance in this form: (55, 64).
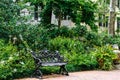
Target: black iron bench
(48, 58)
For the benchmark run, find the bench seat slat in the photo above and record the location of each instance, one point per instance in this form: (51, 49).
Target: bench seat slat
(53, 64)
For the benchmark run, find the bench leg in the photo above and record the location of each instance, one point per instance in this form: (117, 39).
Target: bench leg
(37, 72)
(63, 70)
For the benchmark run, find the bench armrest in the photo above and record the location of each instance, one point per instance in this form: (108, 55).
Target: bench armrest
(63, 59)
(60, 57)
(37, 61)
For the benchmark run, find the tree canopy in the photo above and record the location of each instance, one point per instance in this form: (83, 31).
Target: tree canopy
(76, 10)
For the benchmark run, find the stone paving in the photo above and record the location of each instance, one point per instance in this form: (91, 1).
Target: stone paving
(84, 75)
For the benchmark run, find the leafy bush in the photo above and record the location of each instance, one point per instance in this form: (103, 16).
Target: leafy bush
(112, 40)
(62, 43)
(63, 31)
(93, 39)
(82, 62)
(14, 63)
(74, 51)
(108, 40)
(80, 30)
(37, 36)
(55, 31)
(104, 55)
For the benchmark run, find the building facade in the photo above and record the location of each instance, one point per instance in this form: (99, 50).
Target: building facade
(103, 15)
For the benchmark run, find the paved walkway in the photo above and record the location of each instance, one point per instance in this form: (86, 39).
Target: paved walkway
(85, 75)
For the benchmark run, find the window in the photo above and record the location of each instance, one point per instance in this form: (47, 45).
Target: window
(103, 20)
(118, 23)
(118, 3)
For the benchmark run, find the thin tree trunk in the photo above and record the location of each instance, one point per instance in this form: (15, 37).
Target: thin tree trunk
(36, 12)
(111, 24)
(59, 20)
(48, 14)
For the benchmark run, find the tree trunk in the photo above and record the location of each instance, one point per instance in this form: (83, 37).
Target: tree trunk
(111, 24)
(49, 15)
(59, 20)
(36, 12)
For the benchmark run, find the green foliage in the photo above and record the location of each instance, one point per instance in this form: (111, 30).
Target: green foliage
(67, 47)
(88, 10)
(8, 16)
(105, 56)
(35, 36)
(82, 62)
(108, 40)
(46, 13)
(118, 40)
(14, 63)
(77, 11)
(62, 43)
(93, 39)
(80, 31)
(74, 51)
(7, 6)
(112, 40)
(63, 31)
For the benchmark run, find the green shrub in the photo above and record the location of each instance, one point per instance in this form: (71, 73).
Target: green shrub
(62, 43)
(74, 52)
(105, 56)
(80, 30)
(14, 63)
(108, 40)
(67, 47)
(36, 37)
(112, 40)
(93, 39)
(63, 31)
(82, 62)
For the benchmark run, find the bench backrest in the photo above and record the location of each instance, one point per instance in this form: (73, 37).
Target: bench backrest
(47, 56)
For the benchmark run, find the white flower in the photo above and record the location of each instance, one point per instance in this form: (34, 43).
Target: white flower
(14, 0)
(15, 70)
(2, 62)
(22, 63)
(16, 54)
(10, 58)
